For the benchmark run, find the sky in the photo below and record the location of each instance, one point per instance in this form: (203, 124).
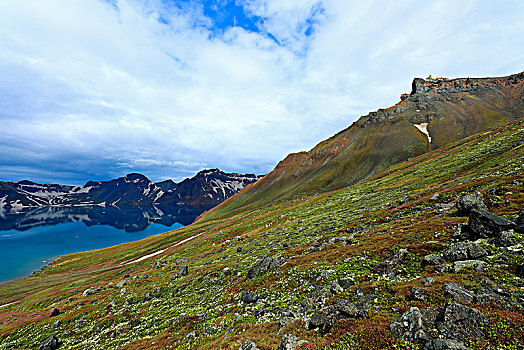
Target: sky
(96, 89)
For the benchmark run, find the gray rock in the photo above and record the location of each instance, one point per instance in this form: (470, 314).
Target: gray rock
(459, 293)
(520, 222)
(249, 298)
(121, 284)
(445, 344)
(133, 322)
(464, 251)
(412, 326)
(317, 298)
(265, 264)
(462, 232)
(55, 312)
(478, 265)
(432, 260)
(50, 343)
(434, 197)
(505, 239)
(442, 268)
(56, 324)
(350, 310)
(288, 342)
(248, 345)
(428, 281)
(484, 224)
(469, 202)
(492, 293)
(461, 322)
(417, 293)
(90, 291)
(324, 319)
(149, 296)
(239, 249)
(182, 272)
(387, 267)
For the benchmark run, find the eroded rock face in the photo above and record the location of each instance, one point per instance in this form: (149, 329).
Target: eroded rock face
(265, 264)
(471, 201)
(484, 224)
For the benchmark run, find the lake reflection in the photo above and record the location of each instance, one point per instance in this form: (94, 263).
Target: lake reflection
(31, 238)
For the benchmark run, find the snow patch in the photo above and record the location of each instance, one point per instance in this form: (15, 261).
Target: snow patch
(423, 128)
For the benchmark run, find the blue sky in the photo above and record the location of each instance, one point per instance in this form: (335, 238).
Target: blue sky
(97, 89)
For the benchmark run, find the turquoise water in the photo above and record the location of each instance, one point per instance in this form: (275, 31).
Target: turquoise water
(22, 252)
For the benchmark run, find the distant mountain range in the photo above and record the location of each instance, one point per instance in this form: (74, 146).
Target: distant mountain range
(435, 113)
(186, 199)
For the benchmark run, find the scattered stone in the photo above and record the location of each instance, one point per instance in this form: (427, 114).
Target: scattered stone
(145, 276)
(484, 224)
(324, 319)
(505, 239)
(133, 322)
(445, 344)
(193, 334)
(386, 267)
(121, 284)
(459, 293)
(182, 261)
(350, 310)
(462, 232)
(478, 265)
(248, 345)
(428, 280)
(432, 260)
(520, 222)
(417, 294)
(471, 201)
(149, 297)
(442, 268)
(239, 249)
(182, 272)
(56, 324)
(126, 275)
(50, 343)
(287, 317)
(434, 197)
(90, 291)
(55, 312)
(285, 245)
(464, 251)
(249, 298)
(261, 266)
(288, 342)
(317, 298)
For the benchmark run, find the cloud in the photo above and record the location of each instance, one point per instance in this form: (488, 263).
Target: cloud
(91, 90)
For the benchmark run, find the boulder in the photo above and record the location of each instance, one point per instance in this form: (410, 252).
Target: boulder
(445, 344)
(249, 298)
(90, 291)
(182, 272)
(317, 298)
(350, 310)
(505, 239)
(461, 322)
(55, 312)
(428, 280)
(288, 342)
(459, 293)
(432, 260)
(469, 202)
(387, 267)
(492, 293)
(462, 232)
(121, 284)
(149, 296)
(50, 343)
(478, 265)
(248, 345)
(412, 326)
(520, 222)
(464, 251)
(485, 224)
(261, 266)
(324, 319)
(434, 197)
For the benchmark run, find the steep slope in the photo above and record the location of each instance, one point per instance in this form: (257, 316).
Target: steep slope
(382, 264)
(447, 109)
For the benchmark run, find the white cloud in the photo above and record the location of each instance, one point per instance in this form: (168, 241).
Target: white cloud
(80, 80)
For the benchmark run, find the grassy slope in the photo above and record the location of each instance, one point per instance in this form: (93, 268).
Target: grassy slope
(208, 299)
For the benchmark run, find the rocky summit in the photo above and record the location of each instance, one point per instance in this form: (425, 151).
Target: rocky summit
(424, 251)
